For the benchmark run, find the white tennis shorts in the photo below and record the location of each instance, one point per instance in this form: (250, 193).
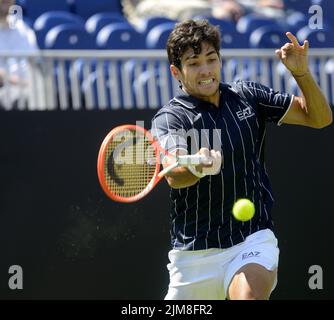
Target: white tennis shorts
(206, 274)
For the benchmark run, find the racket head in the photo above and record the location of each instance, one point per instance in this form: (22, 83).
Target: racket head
(128, 163)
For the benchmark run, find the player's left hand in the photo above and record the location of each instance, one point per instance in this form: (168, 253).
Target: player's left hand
(294, 56)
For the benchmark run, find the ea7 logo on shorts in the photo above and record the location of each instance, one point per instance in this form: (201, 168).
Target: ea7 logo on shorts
(245, 113)
(250, 254)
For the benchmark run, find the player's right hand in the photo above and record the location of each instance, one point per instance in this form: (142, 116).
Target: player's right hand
(214, 164)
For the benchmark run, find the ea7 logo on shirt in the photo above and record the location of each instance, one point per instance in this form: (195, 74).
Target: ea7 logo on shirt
(245, 113)
(251, 254)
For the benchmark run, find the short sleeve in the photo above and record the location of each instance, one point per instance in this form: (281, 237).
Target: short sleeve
(169, 131)
(273, 104)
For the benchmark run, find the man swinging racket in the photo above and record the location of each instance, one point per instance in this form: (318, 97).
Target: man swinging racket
(214, 256)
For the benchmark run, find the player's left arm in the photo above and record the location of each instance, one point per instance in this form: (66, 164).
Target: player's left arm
(312, 109)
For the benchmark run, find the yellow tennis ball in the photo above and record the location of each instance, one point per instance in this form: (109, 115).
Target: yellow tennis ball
(243, 210)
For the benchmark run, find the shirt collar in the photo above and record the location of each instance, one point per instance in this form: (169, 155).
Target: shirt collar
(192, 102)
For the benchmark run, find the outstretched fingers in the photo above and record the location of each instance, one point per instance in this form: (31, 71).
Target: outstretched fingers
(306, 45)
(293, 39)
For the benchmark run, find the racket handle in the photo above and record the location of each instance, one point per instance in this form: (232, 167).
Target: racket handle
(194, 159)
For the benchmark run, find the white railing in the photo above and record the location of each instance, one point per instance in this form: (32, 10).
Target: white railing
(133, 79)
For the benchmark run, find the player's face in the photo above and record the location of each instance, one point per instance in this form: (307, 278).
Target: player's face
(200, 73)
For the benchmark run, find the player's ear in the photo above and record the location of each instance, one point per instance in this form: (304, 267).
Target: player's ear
(175, 72)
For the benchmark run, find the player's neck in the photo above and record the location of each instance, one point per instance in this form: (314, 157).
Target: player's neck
(214, 99)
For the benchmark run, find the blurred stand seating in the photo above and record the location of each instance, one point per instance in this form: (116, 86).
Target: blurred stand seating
(120, 36)
(99, 20)
(46, 21)
(69, 37)
(126, 66)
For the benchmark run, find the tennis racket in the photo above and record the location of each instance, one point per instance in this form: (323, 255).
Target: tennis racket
(128, 163)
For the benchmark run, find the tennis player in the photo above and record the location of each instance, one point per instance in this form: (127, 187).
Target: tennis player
(213, 256)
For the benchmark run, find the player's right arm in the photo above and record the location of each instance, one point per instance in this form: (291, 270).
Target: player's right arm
(170, 130)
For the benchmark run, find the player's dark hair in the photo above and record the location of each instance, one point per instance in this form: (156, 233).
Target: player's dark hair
(191, 34)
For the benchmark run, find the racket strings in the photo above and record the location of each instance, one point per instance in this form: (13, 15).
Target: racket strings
(130, 163)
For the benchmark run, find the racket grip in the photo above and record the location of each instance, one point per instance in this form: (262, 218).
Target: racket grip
(194, 159)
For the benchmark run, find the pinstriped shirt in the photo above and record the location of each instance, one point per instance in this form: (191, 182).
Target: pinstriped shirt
(201, 214)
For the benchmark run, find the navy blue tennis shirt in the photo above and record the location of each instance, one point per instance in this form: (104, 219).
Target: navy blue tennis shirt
(201, 214)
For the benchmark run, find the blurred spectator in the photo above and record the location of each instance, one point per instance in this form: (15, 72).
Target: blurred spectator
(136, 10)
(14, 72)
(234, 9)
(268, 8)
(227, 9)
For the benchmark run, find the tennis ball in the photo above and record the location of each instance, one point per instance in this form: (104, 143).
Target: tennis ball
(243, 210)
